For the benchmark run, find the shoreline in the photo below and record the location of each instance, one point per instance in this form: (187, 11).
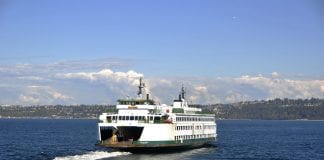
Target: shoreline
(58, 118)
(95, 118)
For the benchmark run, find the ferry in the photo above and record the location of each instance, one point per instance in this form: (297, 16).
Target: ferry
(139, 124)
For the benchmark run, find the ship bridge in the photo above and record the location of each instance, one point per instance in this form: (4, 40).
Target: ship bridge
(135, 104)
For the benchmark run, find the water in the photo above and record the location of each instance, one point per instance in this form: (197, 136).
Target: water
(239, 139)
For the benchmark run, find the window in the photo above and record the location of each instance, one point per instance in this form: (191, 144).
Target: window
(131, 118)
(157, 118)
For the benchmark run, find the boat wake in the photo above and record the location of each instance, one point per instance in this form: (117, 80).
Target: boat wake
(93, 155)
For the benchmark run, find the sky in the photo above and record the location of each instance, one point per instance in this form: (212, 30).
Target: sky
(224, 51)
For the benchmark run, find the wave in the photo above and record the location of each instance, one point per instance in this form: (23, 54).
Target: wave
(93, 155)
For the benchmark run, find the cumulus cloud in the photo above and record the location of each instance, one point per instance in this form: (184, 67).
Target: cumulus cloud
(103, 74)
(29, 99)
(228, 90)
(283, 88)
(113, 84)
(16, 79)
(63, 83)
(33, 95)
(275, 74)
(322, 89)
(202, 89)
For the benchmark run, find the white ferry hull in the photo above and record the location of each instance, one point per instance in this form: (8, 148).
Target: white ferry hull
(148, 138)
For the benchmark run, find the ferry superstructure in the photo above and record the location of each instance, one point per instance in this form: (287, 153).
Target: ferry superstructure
(141, 124)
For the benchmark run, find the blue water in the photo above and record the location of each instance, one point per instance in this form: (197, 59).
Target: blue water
(237, 139)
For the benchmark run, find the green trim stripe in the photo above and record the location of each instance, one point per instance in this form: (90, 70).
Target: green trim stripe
(188, 141)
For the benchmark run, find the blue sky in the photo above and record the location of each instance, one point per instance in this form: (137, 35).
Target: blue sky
(214, 38)
(165, 38)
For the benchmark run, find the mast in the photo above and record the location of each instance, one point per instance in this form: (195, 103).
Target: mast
(140, 88)
(182, 92)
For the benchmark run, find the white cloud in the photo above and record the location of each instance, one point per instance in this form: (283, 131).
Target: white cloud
(282, 88)
(233, 97)
(28, 99)
(38, 90)
(34, 95)
(202, 89)
(227, 90)
(106, 75)
(275, 74)
(205, 90)
(32, 78)
(57, 95)
(322, 89)
(64, 83)
(103, 74)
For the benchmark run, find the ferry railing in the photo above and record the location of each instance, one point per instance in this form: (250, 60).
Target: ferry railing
(155, 121)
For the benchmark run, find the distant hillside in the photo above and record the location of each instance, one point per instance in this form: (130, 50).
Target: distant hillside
(281, 109)
(56, 111)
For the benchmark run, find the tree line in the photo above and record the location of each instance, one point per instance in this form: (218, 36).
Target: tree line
(276, 109)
